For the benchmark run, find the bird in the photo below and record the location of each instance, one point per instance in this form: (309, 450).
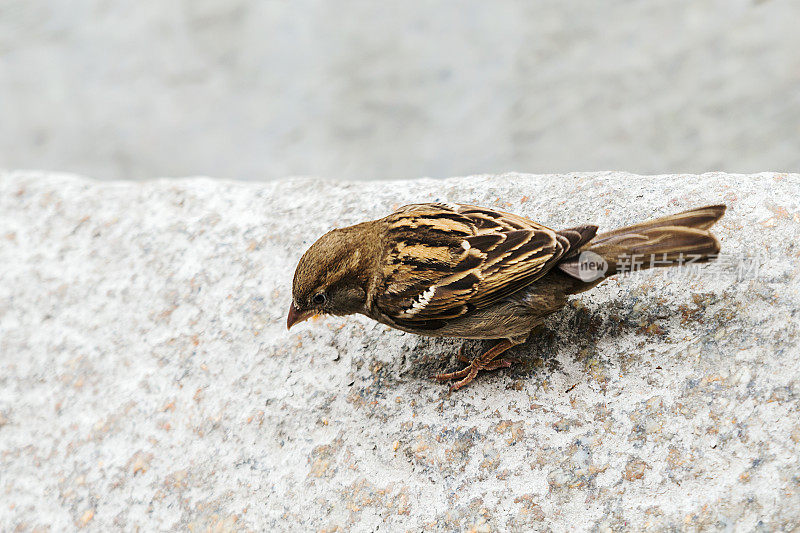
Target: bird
(470, 272)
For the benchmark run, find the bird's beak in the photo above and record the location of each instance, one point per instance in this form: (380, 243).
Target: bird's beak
(295, 316)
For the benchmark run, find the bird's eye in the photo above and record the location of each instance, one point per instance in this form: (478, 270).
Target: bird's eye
(319, 298)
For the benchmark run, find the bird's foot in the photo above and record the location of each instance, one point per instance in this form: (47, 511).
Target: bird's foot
(466, 375)
(485, 362)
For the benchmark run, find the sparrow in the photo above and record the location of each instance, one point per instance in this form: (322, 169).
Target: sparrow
(454, 270)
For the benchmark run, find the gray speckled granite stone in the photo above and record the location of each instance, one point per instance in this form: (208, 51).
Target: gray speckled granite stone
(148, 379)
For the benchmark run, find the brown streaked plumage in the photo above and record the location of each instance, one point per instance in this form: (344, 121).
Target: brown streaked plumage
(471, 272)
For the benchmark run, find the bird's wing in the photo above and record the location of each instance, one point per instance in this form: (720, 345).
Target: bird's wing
(444, 259)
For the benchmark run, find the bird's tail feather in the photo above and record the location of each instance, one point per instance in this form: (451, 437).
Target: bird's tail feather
(665, 241)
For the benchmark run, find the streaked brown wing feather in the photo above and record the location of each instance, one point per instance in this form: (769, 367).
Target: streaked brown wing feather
(443, 260)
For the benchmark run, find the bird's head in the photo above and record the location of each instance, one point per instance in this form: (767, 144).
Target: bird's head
(332, 275)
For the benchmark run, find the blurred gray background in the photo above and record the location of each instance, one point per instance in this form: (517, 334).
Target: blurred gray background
(370, 89)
